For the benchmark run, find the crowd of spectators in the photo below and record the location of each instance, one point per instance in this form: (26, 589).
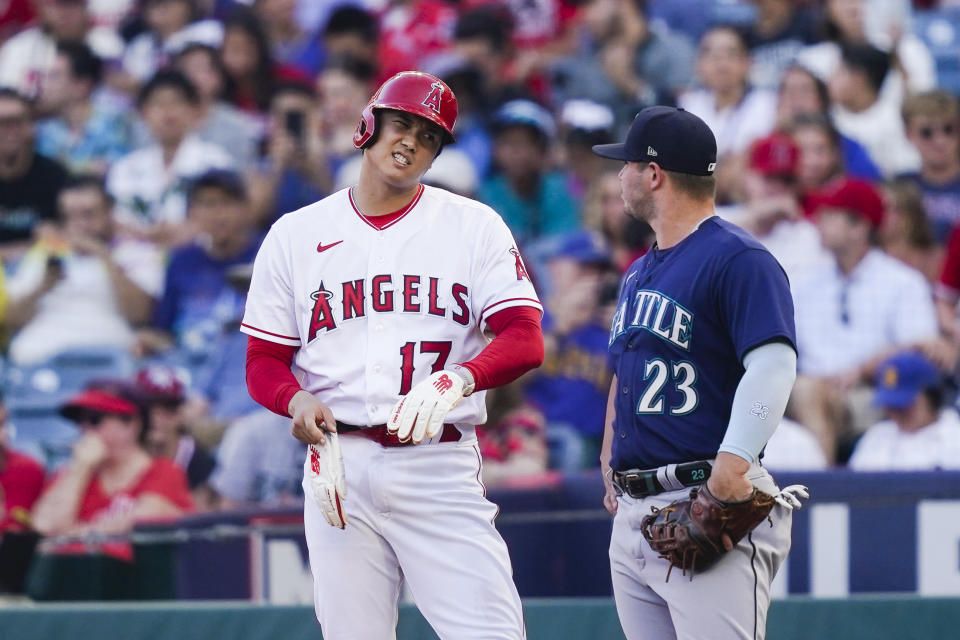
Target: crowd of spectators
(147, 145)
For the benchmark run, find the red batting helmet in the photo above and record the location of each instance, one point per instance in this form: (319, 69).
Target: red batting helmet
(415, 92)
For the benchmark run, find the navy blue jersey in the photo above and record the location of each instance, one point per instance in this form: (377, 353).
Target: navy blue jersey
(686, 317)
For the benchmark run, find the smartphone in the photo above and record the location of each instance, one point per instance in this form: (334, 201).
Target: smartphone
(293, 122)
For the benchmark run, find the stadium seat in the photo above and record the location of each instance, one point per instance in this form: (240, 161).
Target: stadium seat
(40, 431)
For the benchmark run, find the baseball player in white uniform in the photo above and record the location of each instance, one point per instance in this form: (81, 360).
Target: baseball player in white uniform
(397, 304)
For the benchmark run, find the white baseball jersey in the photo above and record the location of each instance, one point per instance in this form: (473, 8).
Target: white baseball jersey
(374, 311)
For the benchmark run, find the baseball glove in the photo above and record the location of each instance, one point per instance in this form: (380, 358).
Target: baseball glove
(694, 533)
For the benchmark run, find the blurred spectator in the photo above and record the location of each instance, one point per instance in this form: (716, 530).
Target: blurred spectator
(736, 113)
(411, 32)
(199, 304)
(771, 210)
(804, 96)
(821, 157)
(352, 32)
(779, 31)
(921, 432)
(453, 170)
(164, 394)
(851, 312)
(623, 61)
(584, 123)
(793, 448)
(932, 122)
(603, 211)
(259, 463)
(169, 26)
(482, 43)
(87, 272)
(571, 386)
(291, 43)
(532, 198)
(845, 23)
(475, 99)
(906, 234)
(111, 482)
(859, 113)
(294, 170)
(513, 448)
(28, 181)
(21, 480)
(948, 288)
(148, 184)
(26, 58)
(344, 87)
(220, 123)
(249, 63)
(80, 133)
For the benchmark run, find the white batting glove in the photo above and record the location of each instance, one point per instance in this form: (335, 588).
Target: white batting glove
(421, 413)
(789, 497)
(327, 482)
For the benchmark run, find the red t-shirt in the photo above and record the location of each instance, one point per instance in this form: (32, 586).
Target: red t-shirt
(22, 481)
(163, 478)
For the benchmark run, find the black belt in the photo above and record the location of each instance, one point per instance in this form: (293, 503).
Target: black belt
(640, 483)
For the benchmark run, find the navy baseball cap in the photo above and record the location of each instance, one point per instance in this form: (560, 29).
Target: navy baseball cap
(901, 377)
(675, 139)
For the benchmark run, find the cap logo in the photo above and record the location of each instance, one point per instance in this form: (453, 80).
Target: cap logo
(433, 98)
(890, 377)
(711, 166)
(651, 151)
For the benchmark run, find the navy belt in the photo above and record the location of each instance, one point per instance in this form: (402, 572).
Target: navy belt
(641, 483)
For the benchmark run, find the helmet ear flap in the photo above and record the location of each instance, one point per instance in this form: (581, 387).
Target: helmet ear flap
(366, 128)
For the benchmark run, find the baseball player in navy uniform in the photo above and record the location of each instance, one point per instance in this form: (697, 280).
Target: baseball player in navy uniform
(703, 349)
(396, 304)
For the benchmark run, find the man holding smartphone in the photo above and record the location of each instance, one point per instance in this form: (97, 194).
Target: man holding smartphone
(294, 169)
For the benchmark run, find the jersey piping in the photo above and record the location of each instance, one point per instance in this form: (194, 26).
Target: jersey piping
(400, 215)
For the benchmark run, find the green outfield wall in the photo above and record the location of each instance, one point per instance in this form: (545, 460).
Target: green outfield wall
(874, 618)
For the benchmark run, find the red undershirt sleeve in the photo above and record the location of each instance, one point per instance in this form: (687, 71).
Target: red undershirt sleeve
(269, 378)
(516, 349)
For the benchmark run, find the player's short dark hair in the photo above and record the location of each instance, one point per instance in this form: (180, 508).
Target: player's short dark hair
(695, 187)
(168, 79)
(81, 181)
(490, 23)
(352, 19)
(873, 63)
(84, 63)
(227, 181)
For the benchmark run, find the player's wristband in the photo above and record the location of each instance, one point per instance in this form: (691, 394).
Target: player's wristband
(469, 384)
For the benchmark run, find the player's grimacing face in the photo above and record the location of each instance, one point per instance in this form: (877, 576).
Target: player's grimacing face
(405, 147)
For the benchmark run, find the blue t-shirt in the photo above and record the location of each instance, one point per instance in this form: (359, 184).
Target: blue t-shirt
(198, 301)
(572, 384)
(942, 204)
(552, 210)
(685, 318)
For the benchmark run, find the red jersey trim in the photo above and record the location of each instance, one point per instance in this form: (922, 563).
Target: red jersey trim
(392, 218)
(253, 330)
(536, 304)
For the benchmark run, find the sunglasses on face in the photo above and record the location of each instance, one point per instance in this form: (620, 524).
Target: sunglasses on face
(89, 420)
(927, 133)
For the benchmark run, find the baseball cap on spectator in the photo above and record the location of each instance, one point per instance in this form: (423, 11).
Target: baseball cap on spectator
(453, 170)
(901, 377)
(675, 139)
(776, 156)
(115, 397)
(583, 247)
(852, 196)
(525, 113)
(587, 122)
(159, 384)
(227, 180)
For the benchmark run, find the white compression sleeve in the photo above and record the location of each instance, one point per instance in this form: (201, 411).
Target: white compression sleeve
(760, 399)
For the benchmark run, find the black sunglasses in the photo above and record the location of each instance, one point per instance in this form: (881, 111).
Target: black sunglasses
(89, 419)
